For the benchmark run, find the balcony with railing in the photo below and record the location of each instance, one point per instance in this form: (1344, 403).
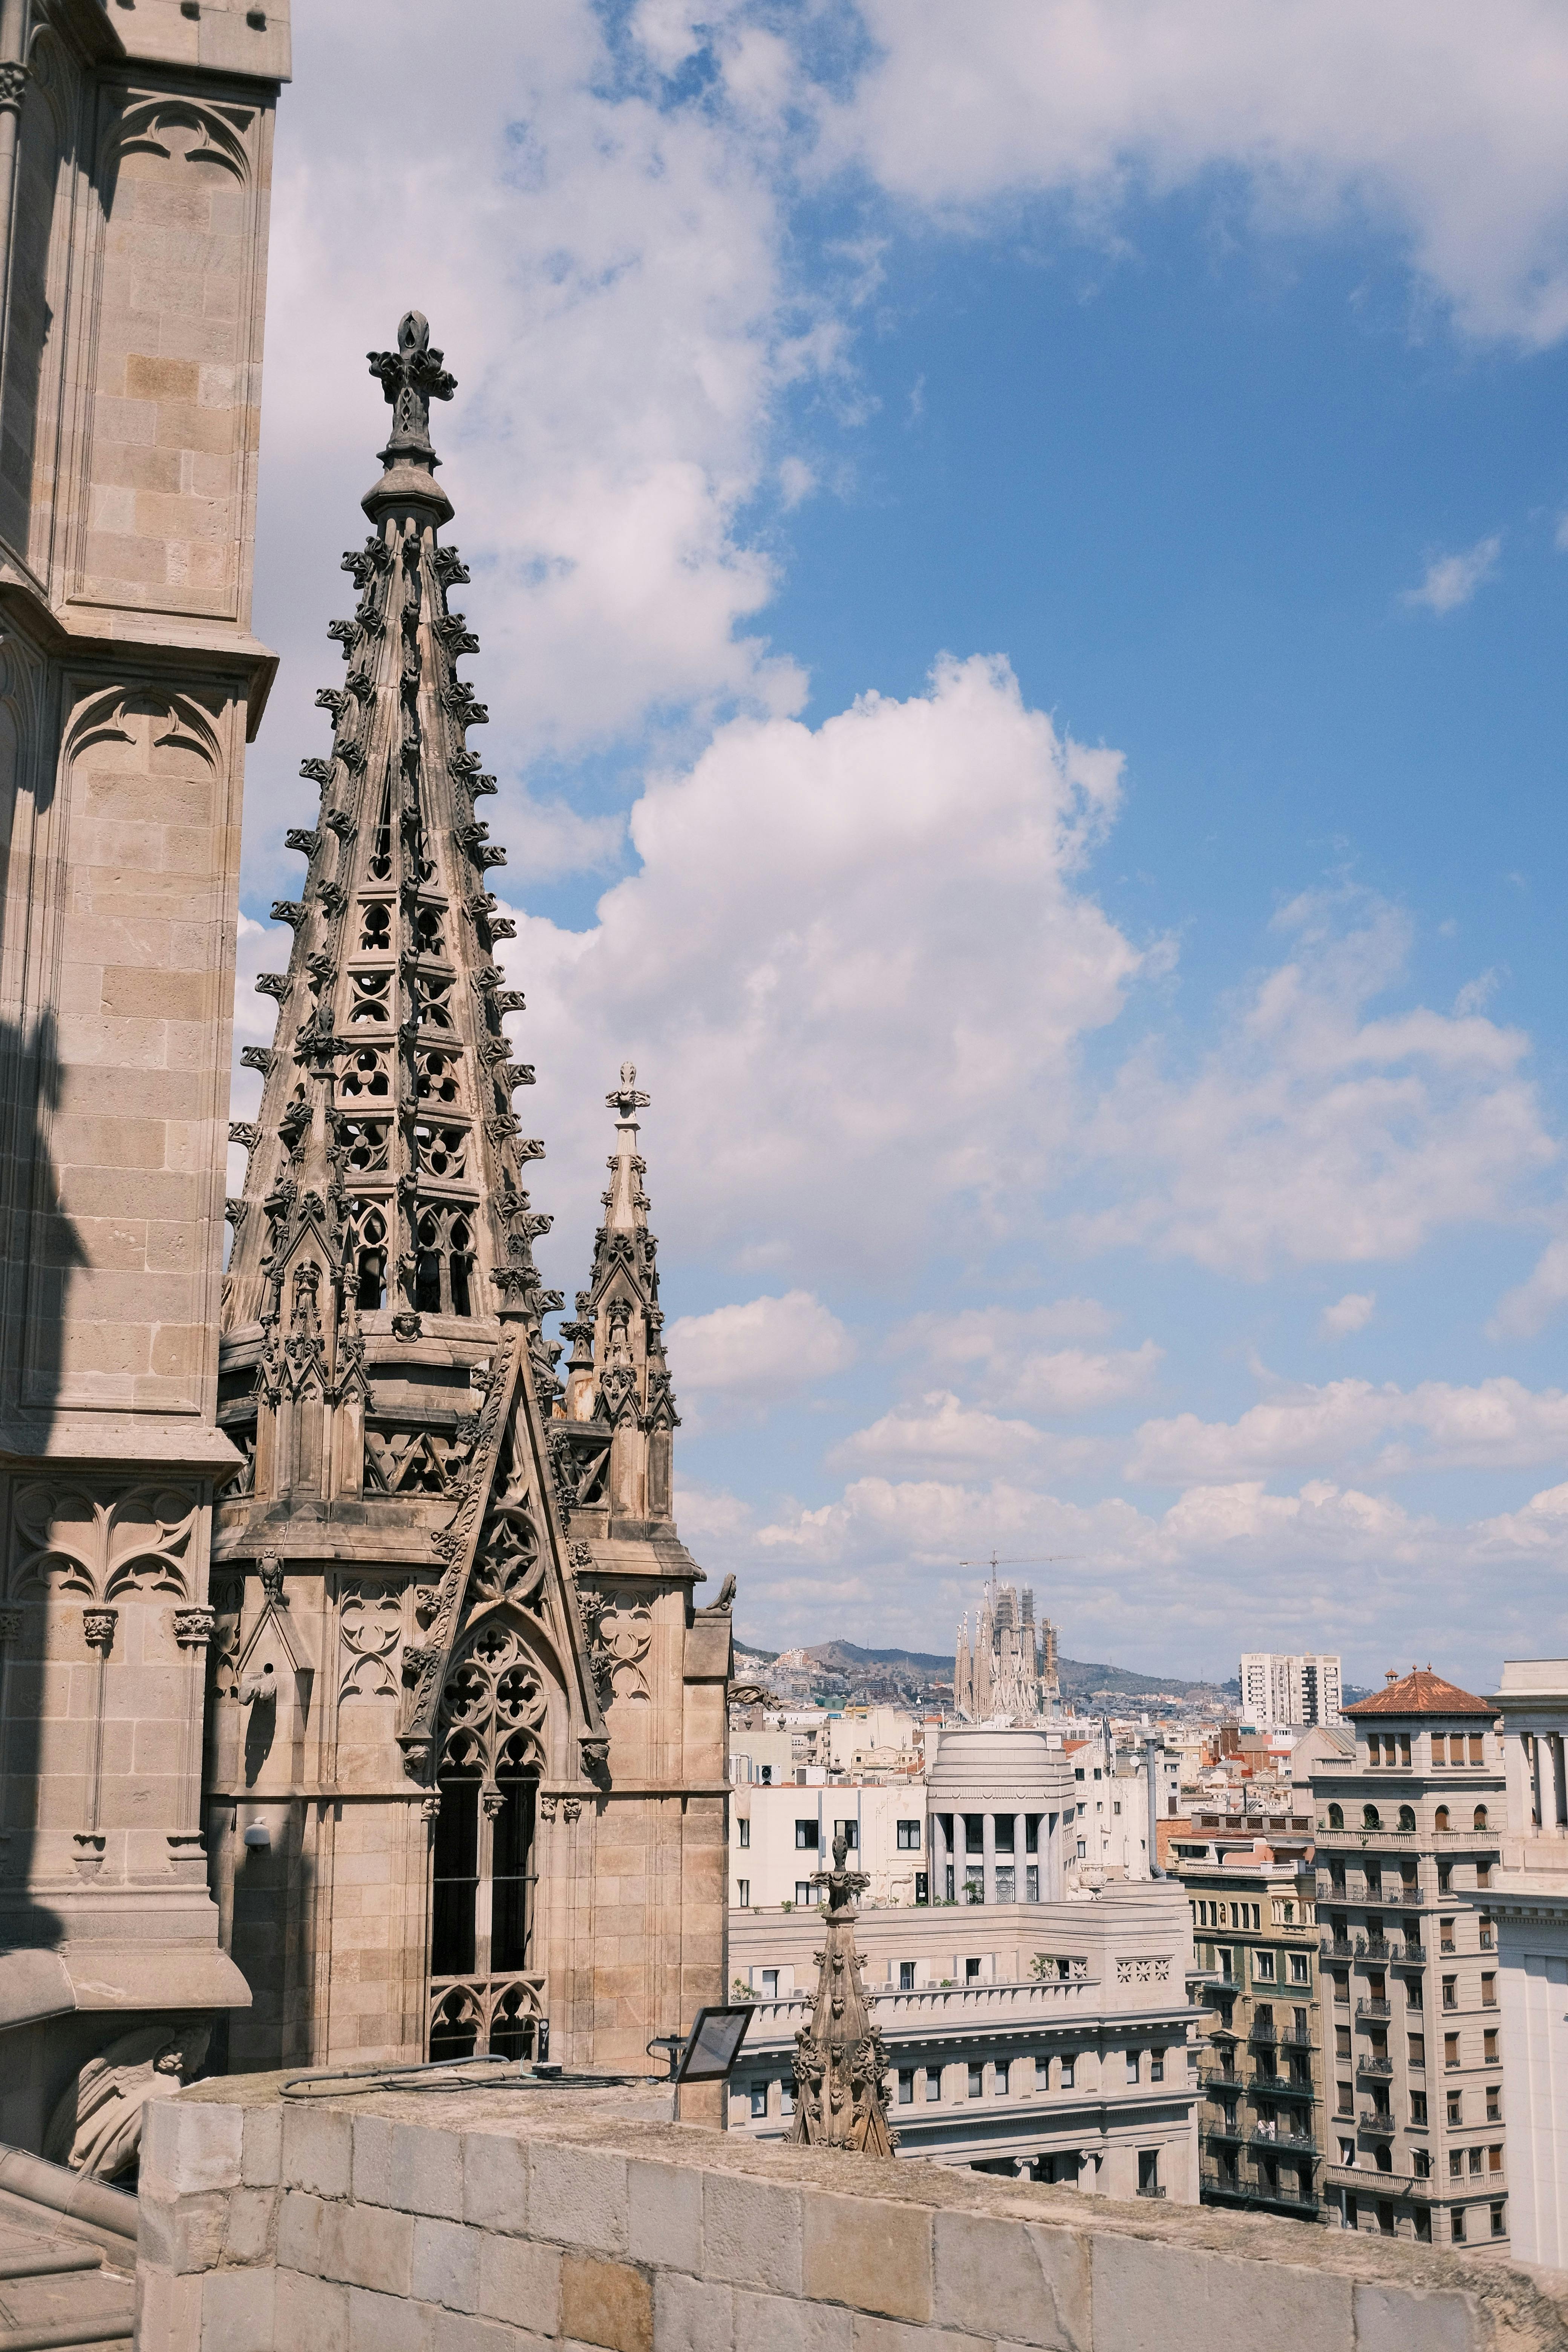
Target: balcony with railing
(1376, 2121)
(1281, 2086)
(1282, 2139)
(1379, 2009)
(1229, 2130)
(1291, 2037)
(1282, 2198)
(1369, 2062)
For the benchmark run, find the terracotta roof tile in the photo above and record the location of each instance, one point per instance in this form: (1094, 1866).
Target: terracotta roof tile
(1421, 1691)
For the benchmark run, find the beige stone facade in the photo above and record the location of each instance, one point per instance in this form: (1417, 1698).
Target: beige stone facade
(135, 151)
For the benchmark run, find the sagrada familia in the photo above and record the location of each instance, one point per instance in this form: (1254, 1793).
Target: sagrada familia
(356, 1698)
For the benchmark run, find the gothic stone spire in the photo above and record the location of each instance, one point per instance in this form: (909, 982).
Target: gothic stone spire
(382, 1314)
(840, 2063)
(619, 1413)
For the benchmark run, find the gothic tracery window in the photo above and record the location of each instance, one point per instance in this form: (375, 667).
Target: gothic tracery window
(483, 1996)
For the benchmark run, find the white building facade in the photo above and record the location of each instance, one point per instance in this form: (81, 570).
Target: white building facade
(1046, 2041)
(1531, 1908)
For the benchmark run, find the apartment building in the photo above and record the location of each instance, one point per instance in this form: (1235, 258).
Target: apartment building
(1279, 1692)
(1409, 1835)
(1255, 1943)
(1044, 2039)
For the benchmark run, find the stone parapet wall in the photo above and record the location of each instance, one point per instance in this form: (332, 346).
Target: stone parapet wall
(510, 2220)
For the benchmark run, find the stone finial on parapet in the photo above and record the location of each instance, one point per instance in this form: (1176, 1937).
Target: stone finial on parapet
(840, 2094)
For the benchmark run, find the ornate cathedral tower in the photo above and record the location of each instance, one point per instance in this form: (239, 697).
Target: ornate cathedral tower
(463, 1774)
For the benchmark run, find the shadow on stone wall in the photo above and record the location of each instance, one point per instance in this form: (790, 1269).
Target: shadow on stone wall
(43, 1249)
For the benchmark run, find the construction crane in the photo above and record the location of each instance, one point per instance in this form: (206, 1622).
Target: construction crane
(1045, 1559)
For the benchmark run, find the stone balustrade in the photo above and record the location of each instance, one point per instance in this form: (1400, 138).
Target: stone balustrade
(512, 2221)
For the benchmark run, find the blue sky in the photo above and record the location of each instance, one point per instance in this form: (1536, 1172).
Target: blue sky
(1021, 567)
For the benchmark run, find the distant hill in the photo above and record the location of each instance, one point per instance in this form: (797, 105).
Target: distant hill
(1080, 1679)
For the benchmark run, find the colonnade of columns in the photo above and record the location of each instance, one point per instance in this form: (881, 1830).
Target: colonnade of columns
(1003, 1870)
(1546, 1772)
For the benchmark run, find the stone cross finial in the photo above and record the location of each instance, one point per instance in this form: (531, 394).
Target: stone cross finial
(624, 1099)
(412, 377)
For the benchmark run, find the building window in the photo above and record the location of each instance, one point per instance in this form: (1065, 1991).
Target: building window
(1370, 1818)
(1418, 2106)
(1489, 2046)
(1342, 1989)
(908, 1837)
(1263, 1967)
(1347, 2100)
(1481, 1820)
(1132, 2065)
(1418, 2050)
(1407, 1818)
(850, 1834)
(743, 1893)
(805, 1837)
(1477, 2158)
(1478, 1747)
(1457, 2225)
(1451, 2049)
(1148, 2172)
(1440, 1818)
(1156, 2065)
(1489, 1990)
(1494, 2103)
(1000, 2074)
(1484, 1871)
(1446, 1935)
(1456, 2106)
(770, 1984)
(743, 1832)
(1069, 2074)
(1421, 2164)
(1082, 1848)
(786, 2098)
(976, 2080)
(758, 2098)
(906, 1976)
(972, 1971)
(1500, 2226)
(1494, 2159)
(1445, 1878)
(1336, 1816)
(1301, 1968)
(1424, 2225)
(934, 2086)
(1450, 1992)
(803, 1893)
(906, 2086)
(1485, 1929)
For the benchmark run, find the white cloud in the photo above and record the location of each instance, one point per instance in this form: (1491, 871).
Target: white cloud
(854, 969)
(1477, 993)
(1496, 1424)
(756, 1355)
(942, 1437)
(1451, 580)
(1315, 1130)
(1434, 123)
(1351, 1313)
(996, 1350)
(1531, 1304)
